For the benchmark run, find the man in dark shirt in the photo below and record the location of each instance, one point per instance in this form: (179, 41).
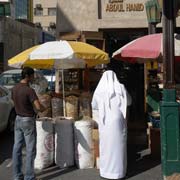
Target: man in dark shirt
(25, 99)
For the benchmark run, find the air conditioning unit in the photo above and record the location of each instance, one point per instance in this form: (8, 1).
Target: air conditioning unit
(38, 24)
(38, 6)
(52, 24)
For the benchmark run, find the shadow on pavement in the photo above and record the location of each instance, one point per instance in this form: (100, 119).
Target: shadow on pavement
(53, 172)
(6, 144)
(140, 160)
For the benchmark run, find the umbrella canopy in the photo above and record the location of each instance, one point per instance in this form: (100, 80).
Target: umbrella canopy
(60, 55)
(146, 47)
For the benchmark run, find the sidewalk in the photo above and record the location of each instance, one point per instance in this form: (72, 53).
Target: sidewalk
(92, 174)
(55, 173)
(140, 167)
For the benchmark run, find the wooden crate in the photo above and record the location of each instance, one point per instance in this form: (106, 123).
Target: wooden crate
(155, 143)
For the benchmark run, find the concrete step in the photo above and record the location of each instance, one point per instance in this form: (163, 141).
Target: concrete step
(173, 177)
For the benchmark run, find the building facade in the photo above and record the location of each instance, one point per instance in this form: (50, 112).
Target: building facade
(44, 14)
(110, 24)
(92, 15)
(17, 32)
(120, 21)
(15, 37)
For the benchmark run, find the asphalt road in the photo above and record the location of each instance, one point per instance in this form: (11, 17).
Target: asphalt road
(6, 145)
(140, 165)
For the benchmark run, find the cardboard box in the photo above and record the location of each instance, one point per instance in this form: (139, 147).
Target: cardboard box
(96, 146)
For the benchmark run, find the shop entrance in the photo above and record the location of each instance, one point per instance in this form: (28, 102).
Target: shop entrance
(131, 75)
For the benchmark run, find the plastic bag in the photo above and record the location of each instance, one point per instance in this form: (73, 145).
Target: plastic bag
(39, 84)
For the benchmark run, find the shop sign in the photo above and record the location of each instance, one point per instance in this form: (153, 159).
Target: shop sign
(124, 6)
(132, 12)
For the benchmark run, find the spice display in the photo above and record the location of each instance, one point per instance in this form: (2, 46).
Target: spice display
(72, 107)
(57, 106)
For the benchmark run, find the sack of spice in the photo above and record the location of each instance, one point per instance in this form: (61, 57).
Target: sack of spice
(72, 106)
(45, 101)
(85, 105)
(57, 106)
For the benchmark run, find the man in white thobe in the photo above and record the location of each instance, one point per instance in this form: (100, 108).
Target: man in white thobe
(111, 100)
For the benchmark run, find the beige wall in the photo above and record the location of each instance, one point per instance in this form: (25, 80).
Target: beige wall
(125, 14)
(92, 15)
(78, 15)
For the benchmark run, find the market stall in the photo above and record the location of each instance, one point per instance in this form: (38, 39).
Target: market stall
(148, 50)
(68, 106)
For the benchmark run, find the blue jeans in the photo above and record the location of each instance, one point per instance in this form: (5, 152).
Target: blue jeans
(24, 131)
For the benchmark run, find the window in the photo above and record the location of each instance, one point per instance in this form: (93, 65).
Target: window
(52, 11)
(38, 12)
(9, 79)
(21, 9)
(5, 10)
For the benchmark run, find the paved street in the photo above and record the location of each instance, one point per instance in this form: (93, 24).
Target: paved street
(139, 167)
(142, 170)
(92, 174)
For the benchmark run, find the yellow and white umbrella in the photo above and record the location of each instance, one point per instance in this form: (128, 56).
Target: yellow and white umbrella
(60, 55)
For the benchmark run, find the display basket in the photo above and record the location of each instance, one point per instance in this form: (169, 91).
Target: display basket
(154, 117)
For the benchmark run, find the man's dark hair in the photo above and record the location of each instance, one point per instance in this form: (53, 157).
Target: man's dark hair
(27, 71)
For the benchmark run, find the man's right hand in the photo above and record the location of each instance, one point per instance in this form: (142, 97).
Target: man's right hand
(38, 106)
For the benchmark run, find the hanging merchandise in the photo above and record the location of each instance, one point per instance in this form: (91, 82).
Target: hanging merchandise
(64, 142)
(84, 151)
(40, 83)
(45, 146)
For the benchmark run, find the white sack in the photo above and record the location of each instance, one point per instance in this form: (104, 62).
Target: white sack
(45, 143)
(84, 147)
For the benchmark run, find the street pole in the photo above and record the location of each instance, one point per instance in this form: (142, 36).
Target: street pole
(168, 43)
(152, 28)
(169, 108)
